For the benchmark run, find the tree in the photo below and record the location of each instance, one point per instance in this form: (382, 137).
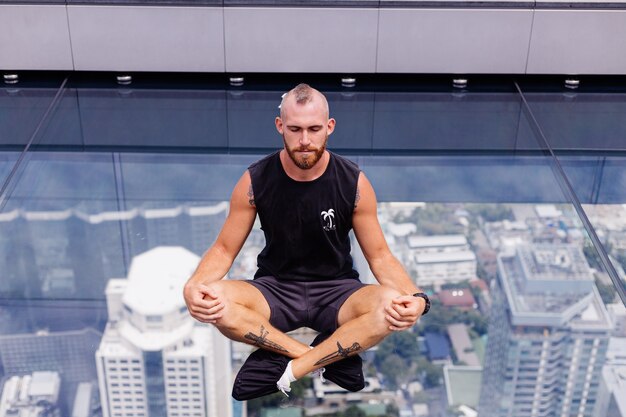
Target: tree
(402, 344)
(607, 291)
(592, 256)
(296, 395)
(492, 212)
(354, 411)
(393, 368)
(432, 373)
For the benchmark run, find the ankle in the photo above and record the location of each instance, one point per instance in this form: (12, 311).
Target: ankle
(297, 369)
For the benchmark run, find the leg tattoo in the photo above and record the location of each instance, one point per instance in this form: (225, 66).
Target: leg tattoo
(341, 353)
(261, 340)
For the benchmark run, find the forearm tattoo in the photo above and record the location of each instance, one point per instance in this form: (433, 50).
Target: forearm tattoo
(251, 196)
(341, 353)
(357, 198)
(262, 342)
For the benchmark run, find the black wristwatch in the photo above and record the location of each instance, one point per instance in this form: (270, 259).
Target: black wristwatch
(425, 297)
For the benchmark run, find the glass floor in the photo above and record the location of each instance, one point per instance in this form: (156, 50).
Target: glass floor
(505, 201)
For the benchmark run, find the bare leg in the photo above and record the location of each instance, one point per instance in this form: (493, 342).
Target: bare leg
(362, 325)
(246, 319)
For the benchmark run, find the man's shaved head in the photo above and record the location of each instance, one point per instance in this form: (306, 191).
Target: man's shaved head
(302, 94)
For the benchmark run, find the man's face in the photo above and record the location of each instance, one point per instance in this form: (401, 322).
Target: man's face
(305, 129)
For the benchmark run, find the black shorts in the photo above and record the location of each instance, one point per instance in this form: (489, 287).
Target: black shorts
(313, 304)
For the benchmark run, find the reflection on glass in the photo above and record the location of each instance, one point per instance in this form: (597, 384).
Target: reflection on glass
(581, 121)
(140, 118)
(463, 178)
(457, 121)
(57, 239)
(609, 221)
(600, 183)
(7, 162)
(144, 118)
(22, 107)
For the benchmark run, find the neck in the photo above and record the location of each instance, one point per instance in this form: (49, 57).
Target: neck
(298, 174)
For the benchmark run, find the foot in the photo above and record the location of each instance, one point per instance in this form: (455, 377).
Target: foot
(284, 383)
(284, 386)
(258, 375)
(347, 373)
(319, 373)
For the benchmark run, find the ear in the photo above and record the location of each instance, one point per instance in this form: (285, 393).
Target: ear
(279, 125)
(331, 125)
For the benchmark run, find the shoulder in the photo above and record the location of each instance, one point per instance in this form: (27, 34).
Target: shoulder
(263, 162)
(345, 162)
(346, 169)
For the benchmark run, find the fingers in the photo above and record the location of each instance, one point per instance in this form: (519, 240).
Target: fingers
(208, 291)
(207, 311)
(208, 318)
(402, 313)
(398, 325)
(403, 299)
(393, 312)
(207, 315)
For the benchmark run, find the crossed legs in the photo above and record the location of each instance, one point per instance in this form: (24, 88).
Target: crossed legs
(362, 324)
(245, 318)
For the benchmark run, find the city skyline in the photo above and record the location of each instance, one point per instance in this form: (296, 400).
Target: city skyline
(407, 232)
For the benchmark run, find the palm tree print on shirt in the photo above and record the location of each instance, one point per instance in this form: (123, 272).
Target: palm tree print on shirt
(328, 217)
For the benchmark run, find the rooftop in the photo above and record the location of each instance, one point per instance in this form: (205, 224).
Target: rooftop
(539, 298)
(438, 346)
(445, 257)
(554, 262)
(416, 242)
(156, 280)
(462, 344)
(547, 211)
(463, 384)
(460, 298)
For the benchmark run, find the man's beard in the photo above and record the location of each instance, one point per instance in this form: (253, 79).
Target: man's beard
(305, 161)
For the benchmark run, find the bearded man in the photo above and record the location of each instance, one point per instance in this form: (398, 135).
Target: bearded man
(307, 199)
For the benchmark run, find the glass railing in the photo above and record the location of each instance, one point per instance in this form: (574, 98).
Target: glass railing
(112, 193)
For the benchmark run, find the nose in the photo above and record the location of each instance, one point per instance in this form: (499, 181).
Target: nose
(304, 139)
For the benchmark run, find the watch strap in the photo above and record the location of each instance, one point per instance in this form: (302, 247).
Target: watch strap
(426, 299)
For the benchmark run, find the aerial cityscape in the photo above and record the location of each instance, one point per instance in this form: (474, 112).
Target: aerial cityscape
(524, 321)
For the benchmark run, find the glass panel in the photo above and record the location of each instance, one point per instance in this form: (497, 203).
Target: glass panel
(22, 105)
(126, 188)
(583, 120)
(137, 118)
(576, 123)
(54, 248)
(7, 162)
(453, 121)
(600, 183)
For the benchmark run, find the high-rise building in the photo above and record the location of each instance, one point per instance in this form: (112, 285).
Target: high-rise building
(154, 359)
(548, 336)
(611, 395)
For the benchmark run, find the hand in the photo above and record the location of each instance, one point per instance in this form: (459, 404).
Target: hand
(404, 311)
(203, 302)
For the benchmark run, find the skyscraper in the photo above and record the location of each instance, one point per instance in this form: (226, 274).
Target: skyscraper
(154, 359)
(548, 336)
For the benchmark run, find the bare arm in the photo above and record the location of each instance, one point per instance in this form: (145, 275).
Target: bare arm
(406, 309)
(219, 258)
(386, 268)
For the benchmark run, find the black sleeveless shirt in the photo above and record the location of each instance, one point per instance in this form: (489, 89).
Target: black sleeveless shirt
(306, 223)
